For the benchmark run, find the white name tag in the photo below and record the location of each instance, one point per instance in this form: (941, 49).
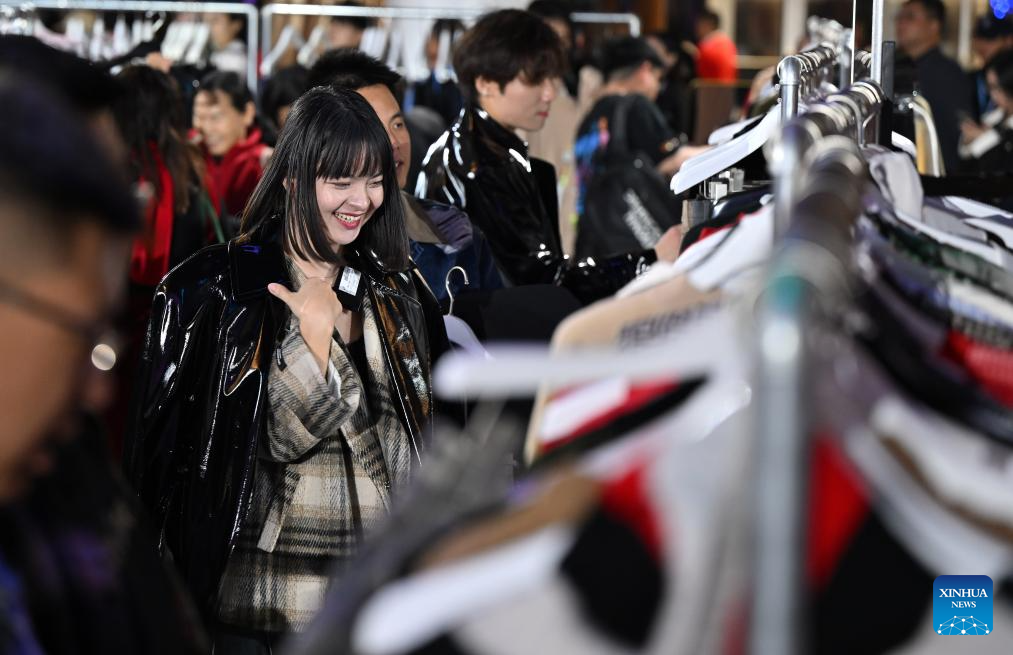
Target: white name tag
(350, 281)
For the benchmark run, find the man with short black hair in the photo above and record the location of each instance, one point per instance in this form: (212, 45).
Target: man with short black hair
(442, 236)
(920, 27)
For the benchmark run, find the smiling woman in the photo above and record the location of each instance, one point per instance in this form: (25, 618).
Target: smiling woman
(305, 348)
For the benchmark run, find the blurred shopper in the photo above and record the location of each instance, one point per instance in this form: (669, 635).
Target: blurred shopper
(224, 118)
(508, 66)
(78, 573)
(280, 93)
(717, 57)
(179, 219)
(228, 46)
(991, 36)
(920, 26)
(285, 387)
(674, 99)
(988, 147)
(346, 31)
(622, 128)
(441, 235)
(439, 91)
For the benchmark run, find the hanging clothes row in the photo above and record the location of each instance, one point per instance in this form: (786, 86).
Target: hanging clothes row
(119, 31)
(728, 455)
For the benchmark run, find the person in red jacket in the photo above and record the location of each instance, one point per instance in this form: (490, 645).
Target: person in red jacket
(716, 59)
(224, 119)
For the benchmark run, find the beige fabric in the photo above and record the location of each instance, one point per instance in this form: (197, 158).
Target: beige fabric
(602, 324)
(416, 222)
(554, 144)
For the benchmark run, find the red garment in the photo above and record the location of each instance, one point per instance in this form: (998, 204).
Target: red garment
(149, 260)
(838, 504)
(717, 58)
(628, 498)
(232, 178)
(992, 367)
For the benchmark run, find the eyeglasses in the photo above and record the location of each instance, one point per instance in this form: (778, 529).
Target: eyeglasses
(98, 334)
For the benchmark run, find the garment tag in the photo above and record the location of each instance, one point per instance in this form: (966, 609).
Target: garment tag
(350, 289)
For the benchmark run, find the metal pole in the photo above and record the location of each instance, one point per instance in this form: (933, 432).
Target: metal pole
(789, 74)
(964, 32)
(593, 17)
(268, 13)
(877, 40)
(792, 24)
(854, 44)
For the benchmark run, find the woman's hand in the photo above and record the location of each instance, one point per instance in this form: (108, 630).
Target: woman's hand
(318, 310)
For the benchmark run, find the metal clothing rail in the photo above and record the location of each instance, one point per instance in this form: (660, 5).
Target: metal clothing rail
(819, 178)
(268, 12)
(169, 7)
(808, 281)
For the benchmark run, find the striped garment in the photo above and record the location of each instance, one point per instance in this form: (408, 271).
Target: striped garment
(324, 478)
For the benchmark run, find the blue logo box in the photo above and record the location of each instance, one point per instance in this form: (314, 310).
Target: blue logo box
(962, 605)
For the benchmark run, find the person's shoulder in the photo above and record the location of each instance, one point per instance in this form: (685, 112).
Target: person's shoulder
(206, 268)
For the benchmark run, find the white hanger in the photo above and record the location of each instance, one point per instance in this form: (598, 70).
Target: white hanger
(96, 47)
(710, 163)
(395, 37)
(136, 32)
(310, 51)
(458, 332)
(374, 41)
(77, 34)
(413, 44)
(121, 36)
(513, 371)
(442, 70)
(289, 38)
(197, 49)
(172, 48)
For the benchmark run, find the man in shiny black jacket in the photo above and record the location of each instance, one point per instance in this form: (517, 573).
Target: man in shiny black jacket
(483, 167)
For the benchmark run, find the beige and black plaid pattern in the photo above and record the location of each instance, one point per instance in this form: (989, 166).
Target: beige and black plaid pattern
(322, 482)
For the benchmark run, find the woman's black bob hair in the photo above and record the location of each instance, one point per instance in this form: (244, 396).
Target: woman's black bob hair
(330, 133)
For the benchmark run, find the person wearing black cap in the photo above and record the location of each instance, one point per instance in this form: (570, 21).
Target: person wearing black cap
(991, 36)
(633, 71)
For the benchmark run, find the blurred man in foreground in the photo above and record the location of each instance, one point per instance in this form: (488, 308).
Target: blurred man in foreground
(77, 571)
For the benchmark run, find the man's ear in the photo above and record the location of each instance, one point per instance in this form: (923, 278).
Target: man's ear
(249, 114)
(487, 87)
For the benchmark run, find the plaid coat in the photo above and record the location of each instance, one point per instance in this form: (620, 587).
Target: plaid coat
(326, 471)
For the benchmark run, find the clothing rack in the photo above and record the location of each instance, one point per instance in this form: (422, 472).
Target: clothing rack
(168, 7)
(819, 180)
(268, 13)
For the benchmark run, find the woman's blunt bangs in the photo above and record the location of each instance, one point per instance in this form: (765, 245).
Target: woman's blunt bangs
(339, 136)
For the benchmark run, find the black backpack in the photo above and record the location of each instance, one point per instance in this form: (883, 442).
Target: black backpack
(627, 205)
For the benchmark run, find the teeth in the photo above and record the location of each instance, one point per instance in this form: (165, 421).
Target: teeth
(344, 218)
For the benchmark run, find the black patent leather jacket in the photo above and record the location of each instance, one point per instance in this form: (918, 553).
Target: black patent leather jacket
(484, 168)
(201, 400)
